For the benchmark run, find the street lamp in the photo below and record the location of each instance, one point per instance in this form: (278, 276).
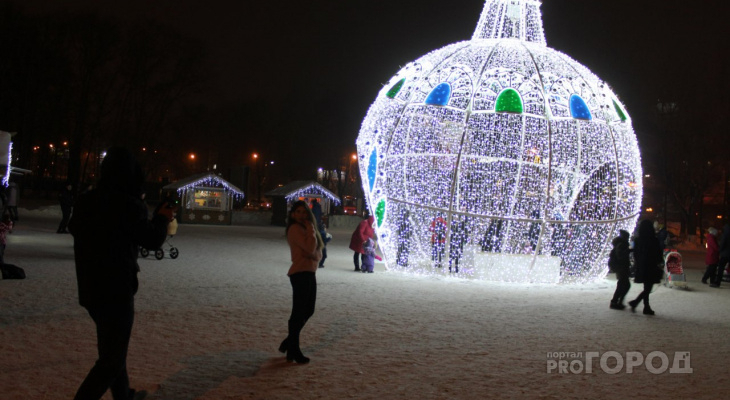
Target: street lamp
(192, 157)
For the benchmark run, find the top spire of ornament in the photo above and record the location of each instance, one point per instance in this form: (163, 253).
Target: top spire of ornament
(511, 19)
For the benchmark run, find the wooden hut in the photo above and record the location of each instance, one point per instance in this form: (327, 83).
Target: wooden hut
(205, 199)
(283, 197)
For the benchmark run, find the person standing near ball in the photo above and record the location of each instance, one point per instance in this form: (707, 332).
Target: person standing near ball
(305, 245)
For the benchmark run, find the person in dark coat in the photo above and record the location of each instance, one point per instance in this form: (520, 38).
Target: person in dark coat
(66, 200)
(108, 225)
(317, 211)
(648, 258)
(459, 237)
(404, 239)
(724, 246)
(712, 256)
(619, 263)
(438, 240)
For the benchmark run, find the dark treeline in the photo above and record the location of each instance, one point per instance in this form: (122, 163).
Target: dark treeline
(71, 85)
(686, 148)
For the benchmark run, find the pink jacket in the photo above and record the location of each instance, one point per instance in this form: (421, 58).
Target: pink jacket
(713, 250)
(305, 255)
(363, 232)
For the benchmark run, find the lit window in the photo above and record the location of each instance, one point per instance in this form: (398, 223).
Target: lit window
(396, 88)
(579, 108)
(619, 111)
(372, 168)
(509, 101)
(440, 95)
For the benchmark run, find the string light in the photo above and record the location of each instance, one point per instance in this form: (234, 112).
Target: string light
(313, 188)
(500, 157)
(6, 178)
(207, 180)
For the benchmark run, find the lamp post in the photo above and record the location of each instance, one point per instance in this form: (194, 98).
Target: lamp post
(259, 179)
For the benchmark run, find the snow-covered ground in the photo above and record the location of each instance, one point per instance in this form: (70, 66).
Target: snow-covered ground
(208, 325)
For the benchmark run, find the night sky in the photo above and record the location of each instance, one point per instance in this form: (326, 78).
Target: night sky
(310, 69)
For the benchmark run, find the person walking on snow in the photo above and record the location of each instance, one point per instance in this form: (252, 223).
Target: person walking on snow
(648, 257)
(724, 246)
(66, 200)
(619, 263)
(712, 256)
(108, 225)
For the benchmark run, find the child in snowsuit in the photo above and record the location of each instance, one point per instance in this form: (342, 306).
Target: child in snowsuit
(368, 257)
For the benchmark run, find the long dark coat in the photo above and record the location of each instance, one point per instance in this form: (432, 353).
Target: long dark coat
(107, 227)
(648, 259)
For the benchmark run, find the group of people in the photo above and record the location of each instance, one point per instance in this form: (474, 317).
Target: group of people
(649, 243)
(648, 259)
(106, 265)
(362, 242)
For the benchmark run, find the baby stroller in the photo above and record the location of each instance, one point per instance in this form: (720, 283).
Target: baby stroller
(160, 253)
(673, 270)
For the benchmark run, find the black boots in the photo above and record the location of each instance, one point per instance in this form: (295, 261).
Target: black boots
(647, 309)
(293, 352)
(616, 306)
(295, 355)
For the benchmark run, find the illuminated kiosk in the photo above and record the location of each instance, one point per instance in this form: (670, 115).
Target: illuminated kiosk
(502, 156)
(283, 197)
(205, 199)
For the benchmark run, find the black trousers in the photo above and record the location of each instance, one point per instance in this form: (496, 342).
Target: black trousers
(644, 295)
(357, 258)
(113, 330)
(66, 212)
(437, 253)
(13, 210)
(710, 272)
(720, 270)
(623, 284)
(304, 289)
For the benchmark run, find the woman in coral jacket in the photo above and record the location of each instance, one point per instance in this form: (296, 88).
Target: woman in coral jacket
(363, 232)
(306, 246)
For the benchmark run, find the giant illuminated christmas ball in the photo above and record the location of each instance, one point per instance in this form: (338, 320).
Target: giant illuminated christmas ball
(501, 158)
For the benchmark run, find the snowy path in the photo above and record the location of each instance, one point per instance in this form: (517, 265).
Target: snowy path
(208, 325)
